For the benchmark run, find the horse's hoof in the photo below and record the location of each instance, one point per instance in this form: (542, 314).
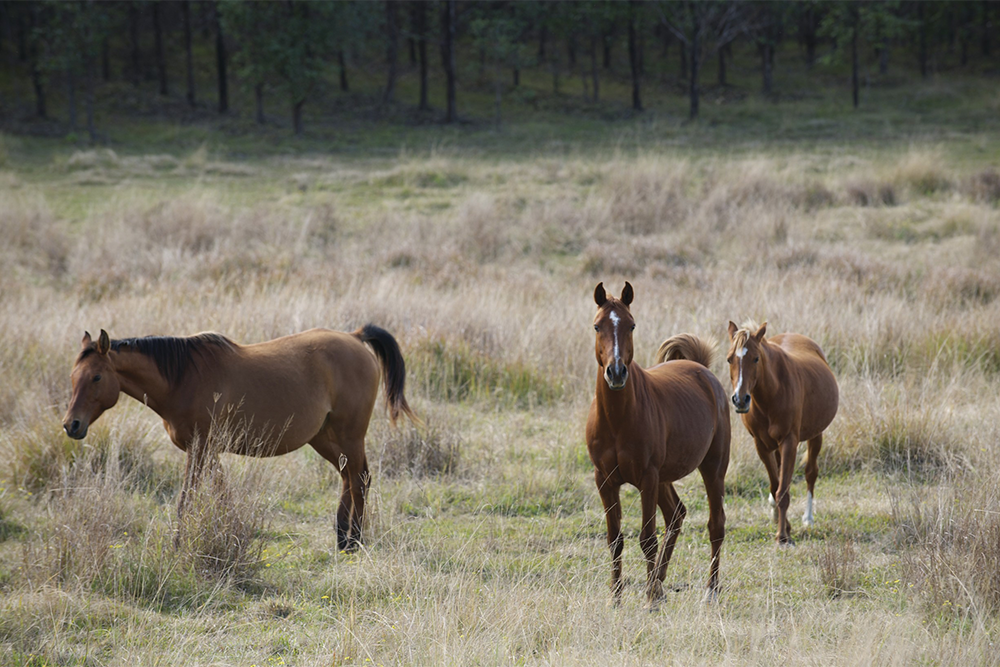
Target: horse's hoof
(654, 591)
(711, 596)
(807, 522)
(786, 543)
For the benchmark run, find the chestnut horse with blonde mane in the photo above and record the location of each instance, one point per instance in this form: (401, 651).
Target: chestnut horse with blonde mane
(786, 393)
(317, 387)
(651, 427)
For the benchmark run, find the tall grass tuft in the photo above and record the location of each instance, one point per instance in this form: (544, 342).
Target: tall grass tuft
(839, 568)
(454, 371)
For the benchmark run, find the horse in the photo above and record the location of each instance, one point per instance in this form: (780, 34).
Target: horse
(317, 387)
(786, 394)
(649, 428)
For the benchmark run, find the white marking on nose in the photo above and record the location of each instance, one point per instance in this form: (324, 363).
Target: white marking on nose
(615, 320)
(740, 353)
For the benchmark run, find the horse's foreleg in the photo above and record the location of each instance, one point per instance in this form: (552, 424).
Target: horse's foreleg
(768, 458)
(610, 498)
(812, 472)
(647, 535)
(781, 498)
(673, 516)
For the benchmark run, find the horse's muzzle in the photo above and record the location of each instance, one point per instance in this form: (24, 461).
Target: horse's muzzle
(742, 403)
(615, 375)
(75, 429)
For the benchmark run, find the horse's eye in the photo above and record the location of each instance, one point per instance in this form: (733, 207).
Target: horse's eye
(97, 378)
(756, 359)
(633, 328)
(597, 328)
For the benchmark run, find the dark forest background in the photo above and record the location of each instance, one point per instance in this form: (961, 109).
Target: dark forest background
(99, 71)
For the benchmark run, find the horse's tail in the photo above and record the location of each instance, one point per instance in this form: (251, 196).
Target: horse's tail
(393, 369)
(687, 346)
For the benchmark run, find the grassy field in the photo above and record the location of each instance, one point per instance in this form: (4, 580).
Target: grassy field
(878, 235)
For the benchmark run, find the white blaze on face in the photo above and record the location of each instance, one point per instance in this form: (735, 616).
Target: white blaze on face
(740, 354)
(615, 320)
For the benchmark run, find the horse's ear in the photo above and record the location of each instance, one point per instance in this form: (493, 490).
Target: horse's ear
(627, 293)
(759, 336)
(732, 329)
(599, 294)
(103, 342)
(86, 339)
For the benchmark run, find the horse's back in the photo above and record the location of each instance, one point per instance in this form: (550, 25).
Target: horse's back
(303, 379)
(695, 408)
(821, 394)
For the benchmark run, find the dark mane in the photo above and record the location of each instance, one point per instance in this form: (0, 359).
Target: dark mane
(173, 355)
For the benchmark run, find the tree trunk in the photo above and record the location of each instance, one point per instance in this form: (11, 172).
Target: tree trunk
(421, 29)
(855, 19)
(41, 108)
(922, 47)
(593, 69)
(71, 97)
(106, 59)
(22, 36)
(722, 66)
(543, 36)
(188, 52)
(449, 18)
(606, 43)
(258, 93)
(133, 30)
(297, 117)
(571, 51)
(683, 60)
(767, 70)
(343, 70)
(161, 59)
(986, 28)
(695, 47)
(88, 65)
(220, 63)
(634, 58)
(883, 60)
(392, 50)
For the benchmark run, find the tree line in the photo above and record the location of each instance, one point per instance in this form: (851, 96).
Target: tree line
(286, 51)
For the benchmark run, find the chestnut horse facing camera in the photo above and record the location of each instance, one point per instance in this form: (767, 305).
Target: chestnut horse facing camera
(649, 428)
(317, 387)
(786, 393)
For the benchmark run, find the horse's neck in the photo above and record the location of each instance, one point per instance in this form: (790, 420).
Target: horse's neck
(140, 378)
(767, 384)
(620, 404)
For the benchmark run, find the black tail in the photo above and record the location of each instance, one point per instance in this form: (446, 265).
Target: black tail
(393, 369)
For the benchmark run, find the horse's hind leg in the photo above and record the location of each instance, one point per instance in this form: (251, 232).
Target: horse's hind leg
(647, 534)
(812, 472)
(715, 489)
(673, 516)
(350, 461)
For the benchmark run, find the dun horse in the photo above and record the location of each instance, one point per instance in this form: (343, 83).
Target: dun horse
(317, 387)
(649, 428)
(785, 391)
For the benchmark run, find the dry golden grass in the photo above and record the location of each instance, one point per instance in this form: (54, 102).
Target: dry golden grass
(485, 534)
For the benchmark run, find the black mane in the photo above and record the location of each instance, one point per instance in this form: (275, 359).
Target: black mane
(173, 355)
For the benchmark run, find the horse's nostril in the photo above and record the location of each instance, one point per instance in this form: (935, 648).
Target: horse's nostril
(75, 426)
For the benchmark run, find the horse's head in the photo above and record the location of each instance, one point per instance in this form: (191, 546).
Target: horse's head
(744, 362)
(95, 385)
(614, 325)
